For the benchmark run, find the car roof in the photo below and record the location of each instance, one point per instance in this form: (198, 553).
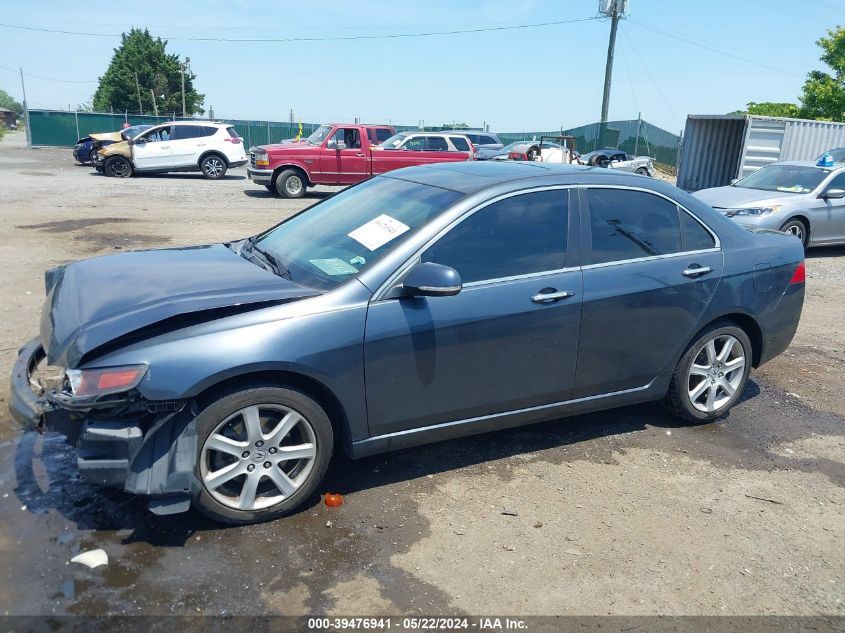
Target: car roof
(359, 124)
(806, 163)
(469, 177)
(205, 123)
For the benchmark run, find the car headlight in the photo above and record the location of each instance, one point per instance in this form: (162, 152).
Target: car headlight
(98, 382)
(755, 212)
(262, 159)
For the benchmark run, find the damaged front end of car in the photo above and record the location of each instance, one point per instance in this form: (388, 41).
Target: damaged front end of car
(122, 439)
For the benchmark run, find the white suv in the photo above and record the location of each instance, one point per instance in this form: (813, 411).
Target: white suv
(211, 148)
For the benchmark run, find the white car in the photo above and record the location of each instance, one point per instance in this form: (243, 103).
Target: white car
(211, 148)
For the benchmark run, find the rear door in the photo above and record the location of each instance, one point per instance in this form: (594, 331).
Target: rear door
(152, 150)
(348, 165)
(188, 142)
(498, 345)
(651, 269)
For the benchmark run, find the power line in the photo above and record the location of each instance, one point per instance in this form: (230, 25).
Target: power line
(64, 81)
(341, 38)
(788, 12)
(713, 50)
(650, 76)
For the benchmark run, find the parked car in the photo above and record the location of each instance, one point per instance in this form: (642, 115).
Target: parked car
(523, 150)
(335, 155)
(85, 150)
(616, 159)
(485, 143)
(204, 146)
(423, 304)
(837, 155)
(800, 198)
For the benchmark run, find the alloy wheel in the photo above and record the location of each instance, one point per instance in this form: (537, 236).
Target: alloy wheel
(795, 230)
(258, 457)
(213, 167)
(716, 373)
(118, 169)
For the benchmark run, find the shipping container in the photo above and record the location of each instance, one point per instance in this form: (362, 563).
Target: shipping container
(716, 149)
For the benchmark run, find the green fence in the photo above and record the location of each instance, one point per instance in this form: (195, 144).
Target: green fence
(635, 136)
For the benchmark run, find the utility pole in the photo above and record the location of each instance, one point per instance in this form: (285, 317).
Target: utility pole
(614, 10)
(25, 112)
(138, 88)
(155, 105)
(185, 66)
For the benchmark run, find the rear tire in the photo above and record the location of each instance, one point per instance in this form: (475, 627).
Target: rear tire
(213, 167)
(798, 229)
(642, 171)
(291, 184)
(711, 375)
(118, 167)
(253, 430)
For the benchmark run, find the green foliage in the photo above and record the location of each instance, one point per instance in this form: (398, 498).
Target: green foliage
(769, 108)
(8, 102)
(156, 69)
(824, 93)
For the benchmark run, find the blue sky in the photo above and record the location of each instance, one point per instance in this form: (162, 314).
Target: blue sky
(537, 78)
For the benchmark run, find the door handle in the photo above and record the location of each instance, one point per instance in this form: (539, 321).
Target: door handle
(164, 146)
(200, 144)
(549, 297)
(697, 271)
(359, 154)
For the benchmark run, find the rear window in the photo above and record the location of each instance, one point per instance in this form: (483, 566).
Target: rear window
(460, 144)
(487, 140)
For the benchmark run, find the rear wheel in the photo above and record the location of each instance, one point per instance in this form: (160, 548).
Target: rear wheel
(798, 229)
(642, 171)
(711, 375)
(213, 167)
(262, 452)
(290, 184)
(118, 167)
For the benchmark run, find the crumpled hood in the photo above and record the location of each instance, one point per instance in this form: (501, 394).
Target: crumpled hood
(739, 197)
(94, 301)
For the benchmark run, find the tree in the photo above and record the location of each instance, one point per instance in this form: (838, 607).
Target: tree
(8, 102)
(770, 108)
(158, 73)
(824, 93)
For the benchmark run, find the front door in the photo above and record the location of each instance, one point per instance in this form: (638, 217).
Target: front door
(650, 273)
(499, 345)
(827, 217)
(151, 150)
(348, 165)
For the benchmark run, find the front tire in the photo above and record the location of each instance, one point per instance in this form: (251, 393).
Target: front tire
(711, 375)
(262, 451)
(118, 167)
(798, 229)
(213, 167)
(290, 184)
(642, 171)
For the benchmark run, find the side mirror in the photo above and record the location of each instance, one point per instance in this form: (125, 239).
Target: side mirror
(431, 280)
(340, 146)
(833, 194)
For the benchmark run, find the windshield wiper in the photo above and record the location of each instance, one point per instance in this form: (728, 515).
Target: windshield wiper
(265, 258)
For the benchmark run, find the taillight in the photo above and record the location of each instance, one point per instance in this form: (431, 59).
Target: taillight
(799, 275)
(233, 139)
(517, 156)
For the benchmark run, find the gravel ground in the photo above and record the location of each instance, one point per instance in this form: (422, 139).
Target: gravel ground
(623, 512)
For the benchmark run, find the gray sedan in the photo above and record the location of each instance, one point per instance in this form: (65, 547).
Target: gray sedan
(801, 198)
(420, 305)
(616, 159)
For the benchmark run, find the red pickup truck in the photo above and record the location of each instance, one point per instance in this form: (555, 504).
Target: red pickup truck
(345, 154)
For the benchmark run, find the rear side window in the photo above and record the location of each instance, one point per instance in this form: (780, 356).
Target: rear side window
(629, 224)
(695, 236)
(519, 235)
(487, 140)
(473, 137)
(460, 144)
(436, 144)
(186, 131)
(415, 144)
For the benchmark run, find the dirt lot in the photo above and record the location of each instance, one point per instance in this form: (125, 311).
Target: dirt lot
(623, 512)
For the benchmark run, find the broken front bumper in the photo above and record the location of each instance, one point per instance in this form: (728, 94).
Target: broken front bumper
(27, 406)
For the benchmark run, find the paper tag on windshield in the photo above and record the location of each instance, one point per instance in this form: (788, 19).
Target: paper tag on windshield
(334, 266)
(378, 231)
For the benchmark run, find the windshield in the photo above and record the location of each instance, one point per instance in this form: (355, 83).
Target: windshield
(784, 178)
(338, 238)
(319, 135)
(394, 141)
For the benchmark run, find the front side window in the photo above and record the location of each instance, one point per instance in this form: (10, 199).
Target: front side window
(838, 182)
(338, 238)
(348, 135)
(519, 235)
(157, 135)
(629, 224)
